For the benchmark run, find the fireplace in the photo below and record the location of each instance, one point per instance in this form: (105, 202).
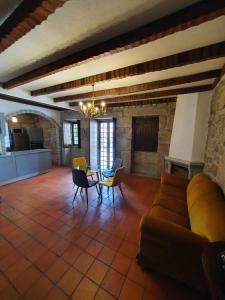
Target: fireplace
(182, 167)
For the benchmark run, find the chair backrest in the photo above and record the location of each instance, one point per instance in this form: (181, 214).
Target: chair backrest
(80, 178)
(118, 163)
(118, 176)
(80, 162)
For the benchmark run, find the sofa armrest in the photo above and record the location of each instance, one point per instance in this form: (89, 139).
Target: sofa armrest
(171, 231)
(172, 250)
(175, 180)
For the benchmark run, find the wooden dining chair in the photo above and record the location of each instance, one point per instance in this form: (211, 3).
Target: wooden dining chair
(81, 181)
(112, 182)
(81, 163)
(118, 163)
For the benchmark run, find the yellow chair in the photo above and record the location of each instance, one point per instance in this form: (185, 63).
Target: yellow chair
(81, 163)
(112, 182)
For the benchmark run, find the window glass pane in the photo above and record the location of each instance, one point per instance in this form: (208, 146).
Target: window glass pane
(106, 144)
(75, 134)
(67, 136)
(7, 139)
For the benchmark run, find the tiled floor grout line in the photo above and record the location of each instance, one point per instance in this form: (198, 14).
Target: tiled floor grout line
(110, 240)
(50, 249)
(83, 274)
(33, 263)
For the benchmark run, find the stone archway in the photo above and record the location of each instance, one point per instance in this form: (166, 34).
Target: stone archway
(55, 132)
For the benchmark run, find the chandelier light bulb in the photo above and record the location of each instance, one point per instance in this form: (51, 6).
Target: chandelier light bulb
(14, 119)
(90, 110)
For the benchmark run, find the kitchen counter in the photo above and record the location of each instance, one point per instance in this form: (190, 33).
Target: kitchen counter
(24, 164)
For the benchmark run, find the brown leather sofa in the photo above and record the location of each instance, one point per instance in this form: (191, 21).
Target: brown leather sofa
(184, 218)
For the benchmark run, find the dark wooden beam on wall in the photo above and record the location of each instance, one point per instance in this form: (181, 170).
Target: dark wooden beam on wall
(29, 102)
(176, 60)
(193, 15)
(143, 102)
(144, 86)
(156, 94)
(25, 17)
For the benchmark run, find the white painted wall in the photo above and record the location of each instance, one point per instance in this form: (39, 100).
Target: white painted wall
(8, 107)
(183, 127)
(190, 127)
(201, 126)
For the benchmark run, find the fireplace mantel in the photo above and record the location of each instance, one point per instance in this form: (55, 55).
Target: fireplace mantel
(192, 167)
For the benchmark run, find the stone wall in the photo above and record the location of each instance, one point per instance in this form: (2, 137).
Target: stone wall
(144, 163)
(50, 132)
(24, 121)
(50, 137)
(215, 147)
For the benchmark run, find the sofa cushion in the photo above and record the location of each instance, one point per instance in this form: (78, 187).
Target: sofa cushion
(168, 215)
(176, 205)
(206, 206)
(175, 180)
(173, 191)
(199, 187)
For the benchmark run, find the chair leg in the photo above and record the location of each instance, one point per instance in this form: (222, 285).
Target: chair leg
(100, 187)
(100, 192)
(121, 191)
(97, 190)
(75, 195)
(113, 194)
(86, 190)
(81, 190)
(108, 189)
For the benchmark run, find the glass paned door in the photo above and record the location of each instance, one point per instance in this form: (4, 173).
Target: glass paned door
(106, 143)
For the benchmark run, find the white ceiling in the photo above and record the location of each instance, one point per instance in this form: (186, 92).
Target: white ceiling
(80, 24)
(148, 77)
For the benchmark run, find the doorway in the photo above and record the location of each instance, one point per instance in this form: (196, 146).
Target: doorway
(102, 143)
(30, 122)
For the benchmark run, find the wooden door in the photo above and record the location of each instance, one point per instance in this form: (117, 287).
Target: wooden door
(144, 143)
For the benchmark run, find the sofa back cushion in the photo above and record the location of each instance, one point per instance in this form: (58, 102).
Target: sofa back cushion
(206, 208)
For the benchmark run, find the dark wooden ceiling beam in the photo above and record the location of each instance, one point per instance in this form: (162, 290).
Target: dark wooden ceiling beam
(193, 15)
(156, 94)
(30, 102)
(176, 60)
(25, 17)
(143, 102)
(144, 86)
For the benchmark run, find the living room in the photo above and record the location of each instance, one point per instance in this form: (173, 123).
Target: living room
(112, 149)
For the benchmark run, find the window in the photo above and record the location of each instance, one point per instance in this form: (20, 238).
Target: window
(106, 143)
(145, 133)
(71, 133)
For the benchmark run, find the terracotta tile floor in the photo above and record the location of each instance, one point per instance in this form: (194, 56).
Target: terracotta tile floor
(50, 250)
